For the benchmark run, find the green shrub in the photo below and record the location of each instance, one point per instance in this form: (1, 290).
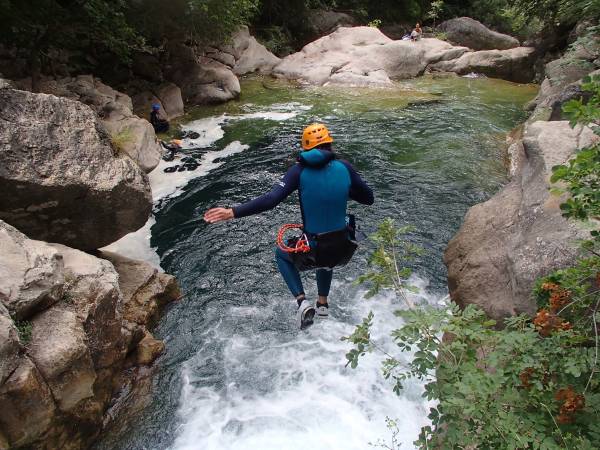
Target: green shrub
(24, 329)
(121, 139)
(532, 383)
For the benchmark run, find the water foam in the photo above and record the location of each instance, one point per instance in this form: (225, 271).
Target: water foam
(171, 184)
(136, 245)
(287, 391)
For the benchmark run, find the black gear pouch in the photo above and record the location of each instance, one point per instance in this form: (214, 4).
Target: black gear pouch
(328, 250)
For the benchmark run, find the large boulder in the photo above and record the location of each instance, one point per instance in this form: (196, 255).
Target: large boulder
(145, 292)
(59, 350)
(31, 273)
(202, 80)
(60, 177)
(519, 235)
(363, 56)
(93, 292)
(563, 76)
(515, 64)
(132, 135)
(28, 408)
(78, 350)
(322, 21)
(253, 56)
(167, 95)
(551, 98)
(473, 34)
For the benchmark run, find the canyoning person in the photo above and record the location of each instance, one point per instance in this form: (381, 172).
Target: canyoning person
(160, 124)
(416, 34)
(173, 147)
(324, 185)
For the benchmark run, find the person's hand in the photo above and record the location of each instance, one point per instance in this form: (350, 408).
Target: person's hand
(215, 215)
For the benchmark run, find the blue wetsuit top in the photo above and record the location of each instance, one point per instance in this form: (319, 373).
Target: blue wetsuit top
(324, 186)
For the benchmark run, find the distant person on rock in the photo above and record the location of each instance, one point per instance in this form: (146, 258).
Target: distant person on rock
(324, 184)
(160, 124)
(416, 33)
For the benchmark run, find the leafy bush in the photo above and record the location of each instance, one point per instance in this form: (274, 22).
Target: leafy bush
(531, 384)
(24, 328)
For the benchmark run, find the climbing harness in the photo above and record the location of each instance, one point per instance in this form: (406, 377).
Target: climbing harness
(322, 250)
(293, 245)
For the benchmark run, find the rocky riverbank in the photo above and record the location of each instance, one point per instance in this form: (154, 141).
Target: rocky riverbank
(519, 235)
(75, 322)
(72, 320)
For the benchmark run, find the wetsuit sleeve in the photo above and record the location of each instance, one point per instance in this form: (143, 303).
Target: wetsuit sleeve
(359, 190)
(288, 184)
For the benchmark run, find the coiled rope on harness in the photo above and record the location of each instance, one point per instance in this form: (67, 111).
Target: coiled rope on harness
(301, 244)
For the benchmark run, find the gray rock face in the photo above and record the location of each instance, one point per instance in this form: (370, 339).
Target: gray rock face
(324, 22)
(518, 235)
(254, 56)
(202, 80)
(473, 34)
(93, 291)
(28, 408)
(58, 349)
(363, 56)
(208, 75)
(31, 273)
(60, 177)
(9, 345)
(56, 394)
(563, 76)
(167, 95)
(132, 135)
(515, 64)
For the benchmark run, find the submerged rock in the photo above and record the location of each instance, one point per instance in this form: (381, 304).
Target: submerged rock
(518, 235)
(475, 35)
(60, 177)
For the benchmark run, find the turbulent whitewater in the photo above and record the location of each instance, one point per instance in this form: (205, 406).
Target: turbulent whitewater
(237, 374)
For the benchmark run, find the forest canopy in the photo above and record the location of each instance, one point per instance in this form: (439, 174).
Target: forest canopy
(91, 31)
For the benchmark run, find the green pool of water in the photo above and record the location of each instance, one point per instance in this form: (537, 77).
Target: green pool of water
(236, 373)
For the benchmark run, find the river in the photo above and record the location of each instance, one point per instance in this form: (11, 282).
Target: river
(236, 373)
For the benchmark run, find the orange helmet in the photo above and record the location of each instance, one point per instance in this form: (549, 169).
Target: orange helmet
(315, 134)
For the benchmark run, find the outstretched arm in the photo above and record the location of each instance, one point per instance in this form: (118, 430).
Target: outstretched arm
(359, 190)
(288, 184)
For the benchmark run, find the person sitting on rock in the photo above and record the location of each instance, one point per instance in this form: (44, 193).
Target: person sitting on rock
(160, 124)
(416, 33)
(173, 146)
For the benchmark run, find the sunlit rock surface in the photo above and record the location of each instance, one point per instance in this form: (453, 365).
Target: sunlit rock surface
(63, 362)
(518, 235)
(61, 179)
(364, 56)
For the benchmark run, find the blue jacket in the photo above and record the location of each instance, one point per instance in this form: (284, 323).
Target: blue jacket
(324, 186)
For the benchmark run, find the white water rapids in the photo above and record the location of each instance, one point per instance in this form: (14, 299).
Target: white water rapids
(281, 390)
